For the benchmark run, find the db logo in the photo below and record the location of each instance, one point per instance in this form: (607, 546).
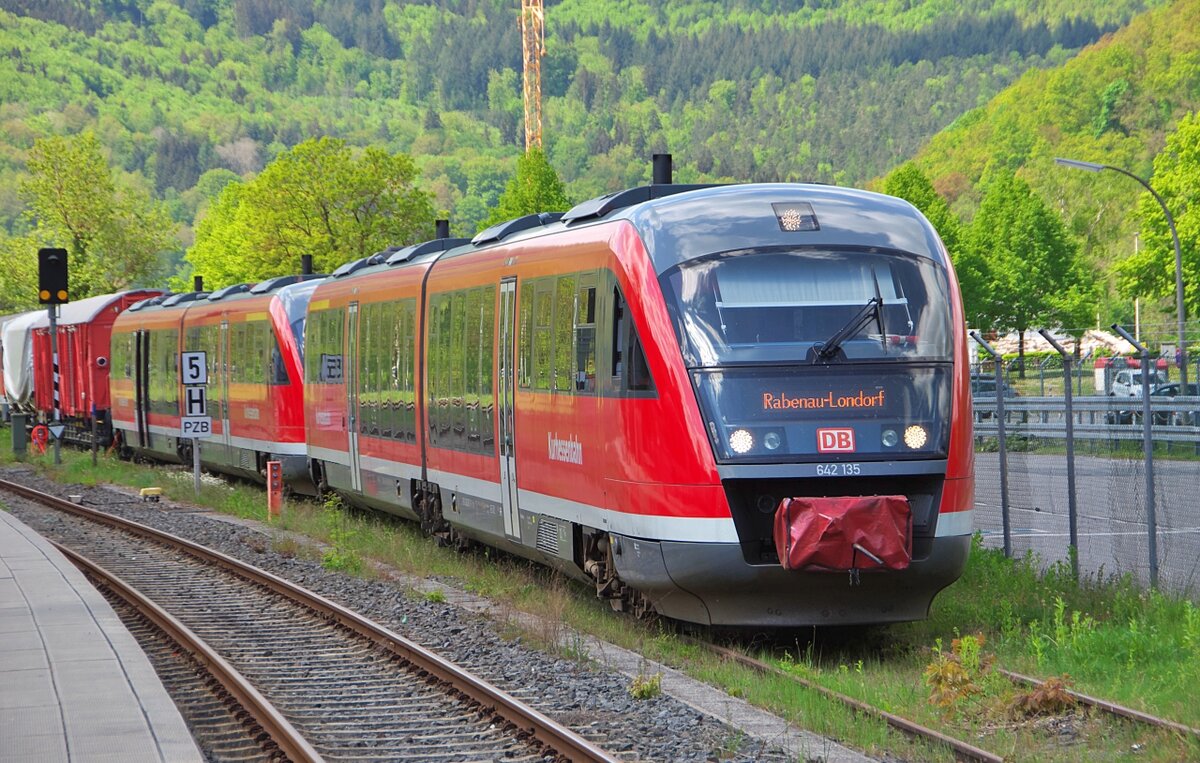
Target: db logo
(835, 440)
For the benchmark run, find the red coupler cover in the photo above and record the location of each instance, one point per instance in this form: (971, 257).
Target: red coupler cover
(844, 533)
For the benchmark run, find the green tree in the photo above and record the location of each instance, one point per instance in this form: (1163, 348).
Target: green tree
(318, 198)
(114, 235)
(1151, 272)
(535, 187)
(909, 183)
(1035, 275)
(19, 262)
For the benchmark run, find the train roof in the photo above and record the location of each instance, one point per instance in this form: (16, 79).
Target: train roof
(86, 310)
(681, 222)
(678, 223)
(232, 293)
(738, 217)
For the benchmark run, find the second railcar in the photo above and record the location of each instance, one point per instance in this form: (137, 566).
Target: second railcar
(251, 335)
(667, 392)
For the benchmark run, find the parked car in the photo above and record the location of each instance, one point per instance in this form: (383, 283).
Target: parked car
(1173, 417)
(984, 385)
(1128, 382)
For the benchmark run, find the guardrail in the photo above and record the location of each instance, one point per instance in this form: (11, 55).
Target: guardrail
(1096, 417)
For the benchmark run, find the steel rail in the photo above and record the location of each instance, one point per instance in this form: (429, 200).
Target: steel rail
(1109, 707)
(549, 732)
(278, 728)
(963, 750)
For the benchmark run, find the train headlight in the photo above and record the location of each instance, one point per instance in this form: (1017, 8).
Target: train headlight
(890, 438)
(772, 440)
(915, 436)
(741, 441)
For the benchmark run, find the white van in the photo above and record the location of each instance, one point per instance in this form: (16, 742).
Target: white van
(1128, 382)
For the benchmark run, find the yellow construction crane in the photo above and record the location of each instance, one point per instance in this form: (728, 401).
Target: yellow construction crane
(533, 47)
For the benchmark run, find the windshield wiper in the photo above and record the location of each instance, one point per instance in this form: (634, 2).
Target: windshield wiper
(873, 309)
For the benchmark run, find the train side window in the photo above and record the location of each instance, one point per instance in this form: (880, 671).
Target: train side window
(630, 372)
(279, 374)
(432, 367)
(487, 399)
(235, 352)
(167, 393)
(408, 396)
(564, 346)
(312, 346)
(434, 393)
(263, 338)
(458, 370)
(525, 347)
(585, 335)
(390, 345)
(445, 352)
(325, 346)
(543, 314)
(376, 332)
(472, 356)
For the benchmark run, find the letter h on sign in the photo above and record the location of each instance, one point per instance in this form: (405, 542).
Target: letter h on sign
(195, 401)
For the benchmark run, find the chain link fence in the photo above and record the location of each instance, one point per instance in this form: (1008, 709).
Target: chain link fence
(1095, 478)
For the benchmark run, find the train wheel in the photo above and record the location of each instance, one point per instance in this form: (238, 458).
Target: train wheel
(600, 566)
(319, 482)
(124, 452)
(429, 509)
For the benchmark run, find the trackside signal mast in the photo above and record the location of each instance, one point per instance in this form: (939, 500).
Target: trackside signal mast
(533, 47)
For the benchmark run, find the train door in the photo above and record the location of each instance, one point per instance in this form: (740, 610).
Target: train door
(350, 374)
(505, 378)
(224, 442)
(141, 386)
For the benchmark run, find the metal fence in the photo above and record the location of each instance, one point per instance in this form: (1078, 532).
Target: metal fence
(1108, 485)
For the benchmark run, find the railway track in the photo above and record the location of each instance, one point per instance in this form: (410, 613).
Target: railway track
(962, 750)
(353, 689)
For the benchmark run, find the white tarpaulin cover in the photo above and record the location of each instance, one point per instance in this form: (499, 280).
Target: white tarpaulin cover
(18, 357)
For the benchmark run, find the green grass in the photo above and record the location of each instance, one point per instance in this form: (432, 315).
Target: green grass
(1112, 638)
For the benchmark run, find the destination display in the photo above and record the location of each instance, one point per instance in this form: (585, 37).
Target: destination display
(776, 414)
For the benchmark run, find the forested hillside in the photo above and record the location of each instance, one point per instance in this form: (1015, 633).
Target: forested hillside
(1129, 101)
(186, 95)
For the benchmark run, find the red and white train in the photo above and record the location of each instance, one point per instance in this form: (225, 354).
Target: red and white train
(250, 336)
(735, 405)
(712, 402)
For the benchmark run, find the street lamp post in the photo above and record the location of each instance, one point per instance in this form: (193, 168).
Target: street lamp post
(1180, 316)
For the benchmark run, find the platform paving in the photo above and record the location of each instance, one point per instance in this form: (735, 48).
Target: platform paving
(74, 684)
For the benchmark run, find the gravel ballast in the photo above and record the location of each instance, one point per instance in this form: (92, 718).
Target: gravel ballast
(589, 696)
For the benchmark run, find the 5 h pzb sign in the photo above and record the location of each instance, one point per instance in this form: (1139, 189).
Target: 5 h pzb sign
(195, 421)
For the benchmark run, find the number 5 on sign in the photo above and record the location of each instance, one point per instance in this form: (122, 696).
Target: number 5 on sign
(195, 367)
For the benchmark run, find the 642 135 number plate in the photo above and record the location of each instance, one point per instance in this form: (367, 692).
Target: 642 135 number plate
(839, 470)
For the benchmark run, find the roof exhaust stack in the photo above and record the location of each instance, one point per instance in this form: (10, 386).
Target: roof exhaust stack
(306, 265)
(443, 228)
(662, 169)
(197, 283)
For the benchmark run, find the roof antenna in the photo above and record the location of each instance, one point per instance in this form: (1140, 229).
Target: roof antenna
(662, 169)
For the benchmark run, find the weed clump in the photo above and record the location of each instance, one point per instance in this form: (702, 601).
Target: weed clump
(1051, 698)
(340, 556)
(646, 687)
(956, 676)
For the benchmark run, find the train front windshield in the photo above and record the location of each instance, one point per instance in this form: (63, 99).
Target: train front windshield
(788, 348)
(781, 306)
